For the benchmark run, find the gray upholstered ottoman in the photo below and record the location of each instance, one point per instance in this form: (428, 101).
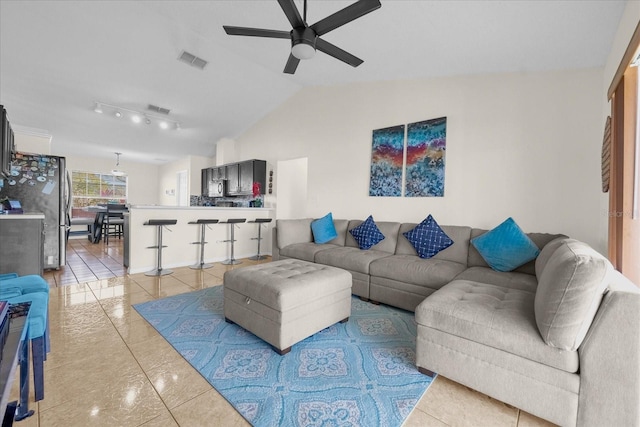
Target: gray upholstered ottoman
(284, 302)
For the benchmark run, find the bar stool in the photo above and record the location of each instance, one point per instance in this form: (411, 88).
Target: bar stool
(159, 223)
(202, 223)
(259, 221)
(232, 223)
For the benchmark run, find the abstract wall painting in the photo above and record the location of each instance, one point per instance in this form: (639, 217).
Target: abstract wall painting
(426, 149)
(387, 154)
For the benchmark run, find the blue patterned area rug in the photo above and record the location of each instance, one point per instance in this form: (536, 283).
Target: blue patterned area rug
(359, 373)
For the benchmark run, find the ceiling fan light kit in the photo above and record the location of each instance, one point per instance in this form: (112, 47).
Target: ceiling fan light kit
(305, 39)
(303, 43)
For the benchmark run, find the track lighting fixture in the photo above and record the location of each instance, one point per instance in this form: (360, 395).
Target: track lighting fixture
(163, 123)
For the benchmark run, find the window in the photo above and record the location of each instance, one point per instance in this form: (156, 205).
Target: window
(91, 189)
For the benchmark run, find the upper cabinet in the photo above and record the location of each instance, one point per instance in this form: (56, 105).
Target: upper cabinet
(241, 176)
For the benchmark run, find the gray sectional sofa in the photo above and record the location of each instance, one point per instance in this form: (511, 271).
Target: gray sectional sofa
(558, 337)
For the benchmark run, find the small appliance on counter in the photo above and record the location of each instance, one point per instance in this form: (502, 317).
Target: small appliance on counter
(225, 204)
(11, 207)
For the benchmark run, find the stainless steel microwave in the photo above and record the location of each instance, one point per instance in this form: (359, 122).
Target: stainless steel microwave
(217, 187)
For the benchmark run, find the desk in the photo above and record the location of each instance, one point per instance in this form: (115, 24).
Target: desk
(16, 349)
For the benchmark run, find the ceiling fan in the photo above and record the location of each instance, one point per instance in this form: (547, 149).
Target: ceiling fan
(306, 39)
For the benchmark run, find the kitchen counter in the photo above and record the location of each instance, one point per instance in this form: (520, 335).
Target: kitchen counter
(24, 216)
(180, 250)
(194, 208)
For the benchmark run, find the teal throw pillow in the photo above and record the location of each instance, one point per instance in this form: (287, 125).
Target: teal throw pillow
(506, 247)
(367, 234)
(323, 229)
(428, 238)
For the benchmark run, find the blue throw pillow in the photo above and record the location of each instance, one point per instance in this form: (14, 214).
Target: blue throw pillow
(323, 229)
(506, 247)
(428, 238)
(367, 234)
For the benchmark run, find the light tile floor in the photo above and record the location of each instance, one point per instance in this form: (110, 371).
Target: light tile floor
(108, 367)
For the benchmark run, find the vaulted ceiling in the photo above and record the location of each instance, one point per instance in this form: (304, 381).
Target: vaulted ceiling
(57, 58)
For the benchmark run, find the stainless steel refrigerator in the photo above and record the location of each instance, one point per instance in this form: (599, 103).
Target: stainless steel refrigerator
(39, 183)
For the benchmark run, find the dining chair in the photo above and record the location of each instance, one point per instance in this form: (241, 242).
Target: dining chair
(113, 223)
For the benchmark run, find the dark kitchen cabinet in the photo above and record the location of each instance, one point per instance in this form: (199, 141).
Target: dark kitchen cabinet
(205, 180)
(218, 173)
(241, 176)
(21, 244)
(233, 179)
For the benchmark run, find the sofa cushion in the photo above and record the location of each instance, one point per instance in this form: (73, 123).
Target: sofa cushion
(352, 259)
(569, 292)
(428, 238)
(293, 231)
(540, 239)
(388, 229)
(341, 226)
(367, 234)
(323, 229)
(433, 273)
(506, 247)
(458, 252)
(494, 316)
(508, 279)
(305, 251)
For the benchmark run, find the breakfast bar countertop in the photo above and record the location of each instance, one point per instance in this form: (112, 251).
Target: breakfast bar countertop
(31, 215)
(198, 208)
(180, 250)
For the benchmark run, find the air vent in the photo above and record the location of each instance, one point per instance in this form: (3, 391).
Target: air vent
(157, 109)
(192, 60)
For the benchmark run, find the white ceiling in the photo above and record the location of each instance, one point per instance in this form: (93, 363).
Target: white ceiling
(58, 57)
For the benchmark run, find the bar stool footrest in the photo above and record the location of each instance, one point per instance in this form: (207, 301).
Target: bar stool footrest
(157, 272)
(200, 266)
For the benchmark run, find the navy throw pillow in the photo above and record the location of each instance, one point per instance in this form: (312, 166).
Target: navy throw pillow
(428, 238)
(367, 234)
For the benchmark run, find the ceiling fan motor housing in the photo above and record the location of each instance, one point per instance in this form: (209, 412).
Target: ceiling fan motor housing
(303, 42)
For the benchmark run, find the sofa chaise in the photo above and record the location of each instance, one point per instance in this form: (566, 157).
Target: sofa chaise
(558, 337)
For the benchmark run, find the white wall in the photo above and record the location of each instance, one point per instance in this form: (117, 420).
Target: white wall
(168, 177)
(291, 191)
(142, 177)
(195, 177)
(521, 145)
(32, 140)
(167, 180)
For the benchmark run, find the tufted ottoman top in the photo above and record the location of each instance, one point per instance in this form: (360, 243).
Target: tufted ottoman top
(287, 283)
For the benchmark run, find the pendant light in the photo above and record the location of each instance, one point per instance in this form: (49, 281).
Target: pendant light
(115, 171)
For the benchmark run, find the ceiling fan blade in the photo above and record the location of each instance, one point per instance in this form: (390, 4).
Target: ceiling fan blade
(336, 52)
(348, 14)
(292, 64)
(289, 8)
(256, 32)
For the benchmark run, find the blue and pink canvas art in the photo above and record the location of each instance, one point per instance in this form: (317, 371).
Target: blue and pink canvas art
(387, 154)
(426, 149)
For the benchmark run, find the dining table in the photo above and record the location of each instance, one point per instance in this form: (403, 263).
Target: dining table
(100, 213)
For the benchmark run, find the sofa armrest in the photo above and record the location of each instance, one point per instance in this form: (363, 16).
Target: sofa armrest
(610, 360)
